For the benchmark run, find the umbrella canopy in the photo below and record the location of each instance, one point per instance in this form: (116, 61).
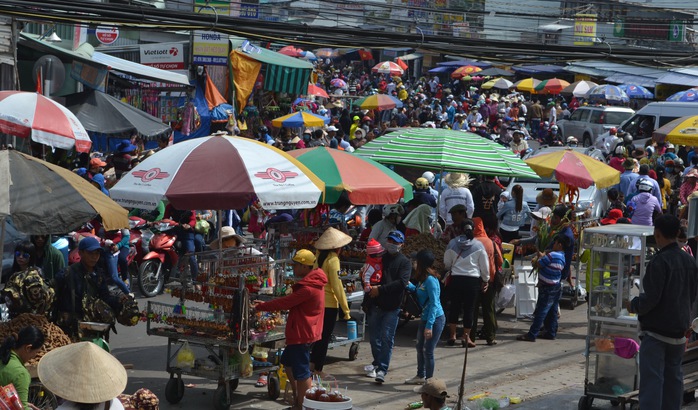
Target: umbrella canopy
(551, 86)
(379, 102)
(300, 119)
(574, 168)
(637, 91)
(25, 114)
(291, 51)
(104, 114)
(684, 96)
(682, 131)
(327, 52)
(495, 72)
(578, 88)
(43, 198)
(367, 182)
(307, 55)
(445, 149)
(317, 91)
(608, 92)
(465, 70)
(500, 83)
(388, 67)
(527, 85)
(219, 172)
(338, 82)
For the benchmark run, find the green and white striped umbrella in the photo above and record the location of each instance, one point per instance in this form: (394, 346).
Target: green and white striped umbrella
(446, 150)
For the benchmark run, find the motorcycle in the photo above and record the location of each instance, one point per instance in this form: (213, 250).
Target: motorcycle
(162, 260)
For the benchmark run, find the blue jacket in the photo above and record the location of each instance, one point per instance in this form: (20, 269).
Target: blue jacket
(508, 216)
(428, 296)
(627, 182)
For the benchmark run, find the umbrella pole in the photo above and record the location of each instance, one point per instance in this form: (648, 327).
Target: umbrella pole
(2, 236)
(438, 197)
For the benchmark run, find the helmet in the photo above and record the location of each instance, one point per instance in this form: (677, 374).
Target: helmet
(429, 176)
(644, 185)
(502, 111)
(554, 128)
(627, 138)
(421, 183)
(613, 131)
(393, 209)
(522, 119)
(263, 129)
(572, 140)
(620, 150)
(546, 124)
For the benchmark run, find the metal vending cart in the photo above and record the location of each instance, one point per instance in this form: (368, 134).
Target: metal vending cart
(619, 255)
(211, 329)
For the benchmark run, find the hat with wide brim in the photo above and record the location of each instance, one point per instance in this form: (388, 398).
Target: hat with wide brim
(457, 180)
(332, 239)
(226, 232)
(547, 197)
(82, 373)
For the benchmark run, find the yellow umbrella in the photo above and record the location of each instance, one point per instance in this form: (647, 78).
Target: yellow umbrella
(527, 85)
(682, 131)
(300, 119)
(500, 83)
(574, 168)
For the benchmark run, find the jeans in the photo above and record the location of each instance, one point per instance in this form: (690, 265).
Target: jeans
(113, 264)
(546, 310)
(425, 348)
(318, 353)
(382, 325)
(661, 378)
(188, 246)
(535, 126)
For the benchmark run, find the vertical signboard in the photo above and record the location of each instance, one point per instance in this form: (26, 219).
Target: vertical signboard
(210, 48)
(584, 29)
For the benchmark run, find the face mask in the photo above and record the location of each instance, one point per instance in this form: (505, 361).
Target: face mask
(393, 248)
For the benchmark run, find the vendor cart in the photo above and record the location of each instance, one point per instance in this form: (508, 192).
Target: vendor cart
(619, 255)
(210, 329)
(572, 292)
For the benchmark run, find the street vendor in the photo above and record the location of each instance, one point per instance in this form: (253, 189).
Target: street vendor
(14, 352)
(304, 325)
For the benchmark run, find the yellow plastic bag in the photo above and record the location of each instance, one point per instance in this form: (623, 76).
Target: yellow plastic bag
(185, 357)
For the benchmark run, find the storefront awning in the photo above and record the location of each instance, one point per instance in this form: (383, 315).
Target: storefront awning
(619, 78)
(538, 69)
(283, 73)
(678, 79)
(552, 28)
(411, 56)
(460, 63)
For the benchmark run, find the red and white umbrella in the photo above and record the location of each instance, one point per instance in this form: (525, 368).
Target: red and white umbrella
(388, 67)
(219, 172)
(317, 91)
(24, 114)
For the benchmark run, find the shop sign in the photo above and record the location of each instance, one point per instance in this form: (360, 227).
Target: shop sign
(165, 56)
(584, 29)
(249, 9)
(107, 34)
(647, 31)
(89, 75)
(210, 48)
(676, 32)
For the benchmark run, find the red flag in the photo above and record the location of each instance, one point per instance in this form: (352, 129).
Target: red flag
(365, 55)
(38, 82)
(401, 63)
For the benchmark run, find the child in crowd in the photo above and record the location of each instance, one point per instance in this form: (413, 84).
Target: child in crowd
(550, 267)
(372, 271)
(682, 239)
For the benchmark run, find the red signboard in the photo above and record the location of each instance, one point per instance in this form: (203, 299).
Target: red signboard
(106, 34)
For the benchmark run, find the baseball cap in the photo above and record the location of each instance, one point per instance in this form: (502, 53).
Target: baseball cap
(457, 208)
(96, 162)
(542, 213)
(397, 236)
(304, 257)
(332, 128)
(433, 387)
(89, 244)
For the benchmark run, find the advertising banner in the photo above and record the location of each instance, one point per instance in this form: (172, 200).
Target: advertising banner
(584, 29)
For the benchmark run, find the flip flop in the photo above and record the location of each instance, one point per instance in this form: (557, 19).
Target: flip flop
(262, 381)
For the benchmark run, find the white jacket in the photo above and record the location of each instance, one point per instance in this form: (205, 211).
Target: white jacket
(454, 196)
(467, 257)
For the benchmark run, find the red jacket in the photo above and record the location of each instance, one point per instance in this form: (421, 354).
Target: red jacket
(306, 306)
(481, 235)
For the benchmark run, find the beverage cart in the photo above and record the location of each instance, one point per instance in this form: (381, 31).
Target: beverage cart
(211, 328)
(619, 256)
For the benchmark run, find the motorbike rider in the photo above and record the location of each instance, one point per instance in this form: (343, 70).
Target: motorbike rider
(422, 192)
(264, 135)
(518, 145)
(544, 133)
(521, 126)
(185, 233)
(626, 141)
(554, 137)
(572, 141)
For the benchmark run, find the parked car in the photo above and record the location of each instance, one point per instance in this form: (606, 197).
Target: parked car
(587, 123)
(645, 121)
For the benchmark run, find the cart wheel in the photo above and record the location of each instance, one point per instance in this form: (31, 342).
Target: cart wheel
(585, 403)
(615, 403)
(353, 351)
(273, 387)
(41, 397)
(233, 383)
(220, 399)
(174, 391)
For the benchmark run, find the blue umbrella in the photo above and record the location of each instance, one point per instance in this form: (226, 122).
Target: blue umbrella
(637, 91)
(684, 96)
(300, 119)
(608, 92)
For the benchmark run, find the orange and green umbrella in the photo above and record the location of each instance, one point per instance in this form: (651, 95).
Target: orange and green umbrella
(461, 72)
(551, 86)
(365, 181)
(682, 131)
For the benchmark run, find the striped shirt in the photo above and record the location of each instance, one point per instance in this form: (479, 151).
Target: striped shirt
(551, 265)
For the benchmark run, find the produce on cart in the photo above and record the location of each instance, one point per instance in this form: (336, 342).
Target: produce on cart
(416, 243)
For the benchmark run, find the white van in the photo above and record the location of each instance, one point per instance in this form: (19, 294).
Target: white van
(646, 120)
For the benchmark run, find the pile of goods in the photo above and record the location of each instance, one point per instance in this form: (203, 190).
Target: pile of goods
(320, 393)
(416, 243)
(53, 335)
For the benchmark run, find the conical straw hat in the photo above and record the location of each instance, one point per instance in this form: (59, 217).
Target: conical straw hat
(332, 239)
(82, 373)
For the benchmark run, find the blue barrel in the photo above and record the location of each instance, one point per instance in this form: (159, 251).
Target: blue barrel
(351, 330)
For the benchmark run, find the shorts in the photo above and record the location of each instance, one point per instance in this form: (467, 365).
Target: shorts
(297, 358)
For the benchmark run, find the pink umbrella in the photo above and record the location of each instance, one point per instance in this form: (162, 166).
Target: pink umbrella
(388, 67)
(338, 82)
(25, 114)
(317, 91)
(291, 51)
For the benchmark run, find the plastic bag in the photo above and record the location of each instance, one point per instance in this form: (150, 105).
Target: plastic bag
(246, 365)
(185, 357)
(505, 299)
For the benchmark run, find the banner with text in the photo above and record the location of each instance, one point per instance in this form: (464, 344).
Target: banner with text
(584, 29)
(165, 56)
(210, 48)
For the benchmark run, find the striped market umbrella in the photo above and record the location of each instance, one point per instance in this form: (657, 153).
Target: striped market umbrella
(527, 85)
(446, 150)
(28, 114)
(682, 131)
(637, 91)
(219, 172)
(317, 91)
(551, 86)
(379, 102)
(578, 88)
(608, 92)
(501, 83)
(42, 198)
(300, 119)
(574, 168)
(684, 96)
(388, 67)
(367, 182)
(461, 72)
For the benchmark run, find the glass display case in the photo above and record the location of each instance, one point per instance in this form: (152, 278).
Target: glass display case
(616, 267)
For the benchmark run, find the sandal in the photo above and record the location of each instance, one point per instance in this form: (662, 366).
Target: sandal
(262, 381)
(525, 338)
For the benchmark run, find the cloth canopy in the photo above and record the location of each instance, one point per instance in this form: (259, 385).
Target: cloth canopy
(283, 73)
